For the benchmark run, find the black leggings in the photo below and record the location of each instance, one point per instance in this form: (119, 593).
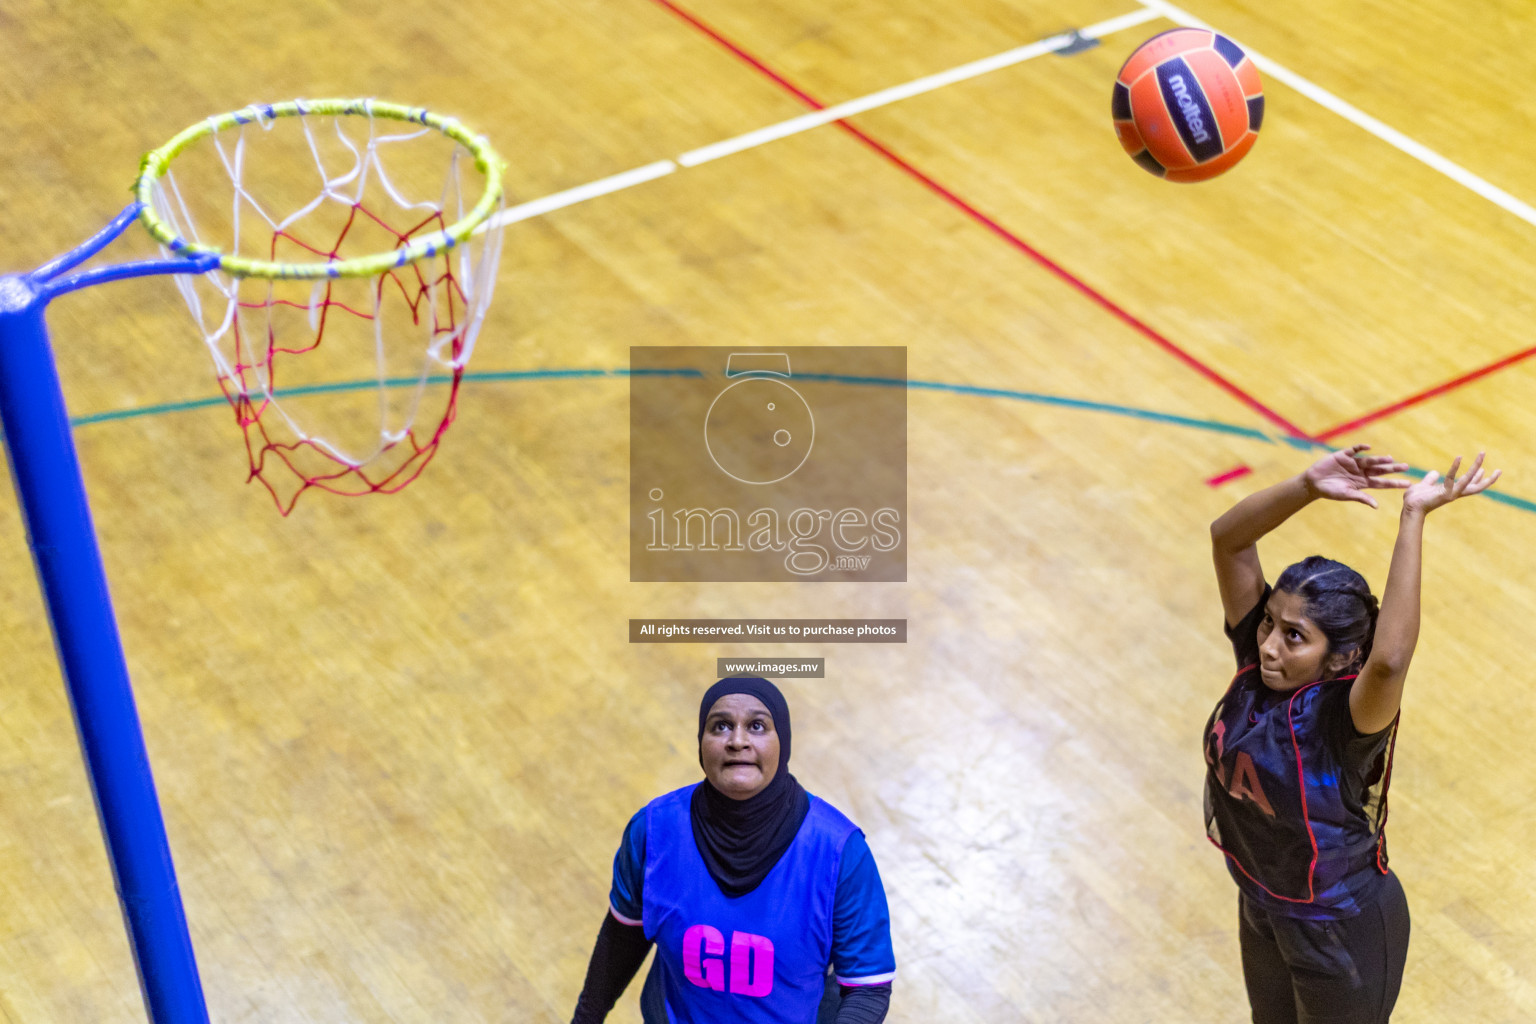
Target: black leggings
(1325, 972)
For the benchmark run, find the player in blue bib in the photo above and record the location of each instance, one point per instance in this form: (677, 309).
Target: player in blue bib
(750, 888)
(1299, 749)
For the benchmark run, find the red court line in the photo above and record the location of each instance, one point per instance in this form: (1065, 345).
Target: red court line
(1426, 395)
(997, 229)
(1232, 474)
(1088, 290)
(697, 23)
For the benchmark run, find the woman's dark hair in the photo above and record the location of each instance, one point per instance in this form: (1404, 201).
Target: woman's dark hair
(1339, 601)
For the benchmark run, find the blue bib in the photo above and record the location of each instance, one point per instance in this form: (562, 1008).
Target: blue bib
(755, 959)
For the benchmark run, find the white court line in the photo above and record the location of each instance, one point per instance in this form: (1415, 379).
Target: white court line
(917, 87)
(581, 193)
(816, 119)
(1356, 116)
(1150, 9)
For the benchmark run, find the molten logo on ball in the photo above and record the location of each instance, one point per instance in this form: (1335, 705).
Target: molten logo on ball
(1190, 107)
(1188, 104)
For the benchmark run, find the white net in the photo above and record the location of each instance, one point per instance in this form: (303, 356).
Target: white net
(342, 383)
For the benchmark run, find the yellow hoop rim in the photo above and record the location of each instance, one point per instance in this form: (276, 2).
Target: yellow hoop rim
(487, 161)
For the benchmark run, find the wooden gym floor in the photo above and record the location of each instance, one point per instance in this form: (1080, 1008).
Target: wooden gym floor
(397, 739)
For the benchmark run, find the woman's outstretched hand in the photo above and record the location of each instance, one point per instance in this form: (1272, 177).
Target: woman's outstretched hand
(1433, 491)
(1345, 475)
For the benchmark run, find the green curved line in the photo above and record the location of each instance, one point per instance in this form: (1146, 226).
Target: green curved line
(1032, 397)
(1037, 398)
(364, 385)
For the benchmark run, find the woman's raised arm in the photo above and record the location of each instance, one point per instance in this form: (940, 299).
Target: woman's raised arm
(1340, 476)
(1377, 692)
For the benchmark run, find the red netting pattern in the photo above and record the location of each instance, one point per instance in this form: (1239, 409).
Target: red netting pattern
(277, 462)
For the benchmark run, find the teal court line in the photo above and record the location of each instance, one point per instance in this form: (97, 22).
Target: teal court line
(1032, 397)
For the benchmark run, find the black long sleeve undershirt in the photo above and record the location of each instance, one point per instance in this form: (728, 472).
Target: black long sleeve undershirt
(618, 954)
(621, 949)
(864, 1004)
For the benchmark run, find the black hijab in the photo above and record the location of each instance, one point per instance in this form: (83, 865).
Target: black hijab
(741, 840)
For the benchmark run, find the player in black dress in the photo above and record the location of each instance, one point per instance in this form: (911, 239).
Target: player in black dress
(1299, 749)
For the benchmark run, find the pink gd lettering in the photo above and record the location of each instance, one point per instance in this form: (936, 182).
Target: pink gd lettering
(751, 961)
(757, 951)
(698, 941)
